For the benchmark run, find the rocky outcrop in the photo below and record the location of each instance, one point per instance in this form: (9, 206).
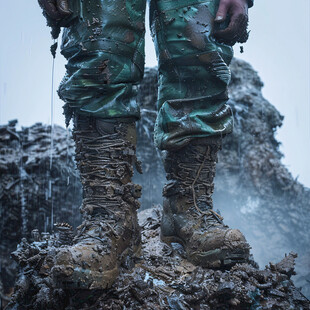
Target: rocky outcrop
(37, 187)
(254, 191)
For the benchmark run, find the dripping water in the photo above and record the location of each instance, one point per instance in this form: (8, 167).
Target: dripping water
(52, 115)
(22, 196)
(52, 143)
(67, 152)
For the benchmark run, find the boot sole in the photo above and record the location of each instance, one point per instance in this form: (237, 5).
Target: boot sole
(219, 258)
(87, 279)
(215, 259)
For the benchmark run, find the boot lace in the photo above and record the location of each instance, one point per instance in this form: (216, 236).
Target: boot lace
(210, 211)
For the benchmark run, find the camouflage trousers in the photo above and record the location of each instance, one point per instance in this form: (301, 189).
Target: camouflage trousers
(104, 44)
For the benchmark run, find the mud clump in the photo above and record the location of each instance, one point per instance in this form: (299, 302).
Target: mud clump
(161, 279)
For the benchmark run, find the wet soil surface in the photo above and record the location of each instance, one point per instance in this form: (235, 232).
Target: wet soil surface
(161, 279)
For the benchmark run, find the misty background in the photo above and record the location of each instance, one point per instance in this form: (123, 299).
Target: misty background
(278, 49)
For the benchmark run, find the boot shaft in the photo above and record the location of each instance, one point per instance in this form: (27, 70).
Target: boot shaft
(105, 155)
(190, 173)
(188, 215)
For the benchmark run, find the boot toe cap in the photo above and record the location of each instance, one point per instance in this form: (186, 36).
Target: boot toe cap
(218, 248)
(80, 266)
(234, 239)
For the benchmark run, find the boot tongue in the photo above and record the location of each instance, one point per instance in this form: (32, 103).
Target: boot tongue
(211, 217)
(99, 227)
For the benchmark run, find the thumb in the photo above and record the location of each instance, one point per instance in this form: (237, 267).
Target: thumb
(63, 7)
(222, 11)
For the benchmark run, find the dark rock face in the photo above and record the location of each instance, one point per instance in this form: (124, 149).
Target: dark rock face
(35, 191)
(253, 191)
(251, 177)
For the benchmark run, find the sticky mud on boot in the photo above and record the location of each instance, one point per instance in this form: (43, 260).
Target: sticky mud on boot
(188, 215)
(109, 234)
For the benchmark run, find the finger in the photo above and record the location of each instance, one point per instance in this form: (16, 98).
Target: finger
(236, 30)
(63, 7)
(243, 34)
(227, 33)
(222, 11)
(50, 9)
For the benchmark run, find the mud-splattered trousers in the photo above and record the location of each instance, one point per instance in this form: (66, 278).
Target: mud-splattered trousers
(104, 45)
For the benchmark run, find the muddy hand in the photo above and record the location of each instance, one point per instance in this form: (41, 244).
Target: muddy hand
(55, 9)
(236, 31)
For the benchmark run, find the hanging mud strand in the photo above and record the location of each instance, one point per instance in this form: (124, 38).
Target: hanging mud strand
(53, 48)
(52, 130)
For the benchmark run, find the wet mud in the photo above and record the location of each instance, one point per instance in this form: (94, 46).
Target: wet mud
(161, 279)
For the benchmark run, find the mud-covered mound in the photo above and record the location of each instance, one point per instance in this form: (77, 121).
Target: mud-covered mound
(161, 279)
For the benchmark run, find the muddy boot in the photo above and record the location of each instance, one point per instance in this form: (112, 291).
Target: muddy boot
(109, 234)
(188, 215)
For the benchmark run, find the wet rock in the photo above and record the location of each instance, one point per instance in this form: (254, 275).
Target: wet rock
(36, 190)
(286, 266)
(65, 233)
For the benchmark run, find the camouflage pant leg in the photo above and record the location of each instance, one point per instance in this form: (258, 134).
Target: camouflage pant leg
(193, 73)
(104, 45)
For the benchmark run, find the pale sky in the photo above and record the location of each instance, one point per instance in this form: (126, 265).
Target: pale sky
(278, 49)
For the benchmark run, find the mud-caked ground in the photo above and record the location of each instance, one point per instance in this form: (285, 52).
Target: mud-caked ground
(161, 279)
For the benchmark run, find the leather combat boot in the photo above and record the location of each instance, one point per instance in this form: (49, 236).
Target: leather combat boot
(109, 234)
(188, 215)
